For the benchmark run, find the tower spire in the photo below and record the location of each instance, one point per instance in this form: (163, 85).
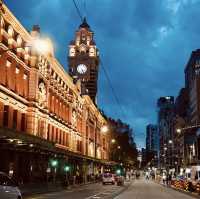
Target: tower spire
(84, 24)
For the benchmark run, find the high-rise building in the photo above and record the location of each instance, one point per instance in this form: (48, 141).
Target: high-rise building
(151, 138)
(84, 60)
(165, 107)
(192, 84)
(180, 121)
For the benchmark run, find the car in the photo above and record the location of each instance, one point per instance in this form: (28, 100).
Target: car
(8, 188)
(108, 178)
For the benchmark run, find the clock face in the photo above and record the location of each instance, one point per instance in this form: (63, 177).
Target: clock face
(82, 69)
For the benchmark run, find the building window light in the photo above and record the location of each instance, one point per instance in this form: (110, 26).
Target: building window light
(25, 76)
(17, 70)
(8, 63)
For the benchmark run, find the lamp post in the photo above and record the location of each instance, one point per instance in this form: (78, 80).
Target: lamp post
(67, 169)
(54, 164)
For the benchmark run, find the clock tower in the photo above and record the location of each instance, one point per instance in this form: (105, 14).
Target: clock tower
(83, 59)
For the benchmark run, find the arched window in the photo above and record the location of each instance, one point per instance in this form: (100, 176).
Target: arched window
(10, 31)
(2, 23)
(19, 41)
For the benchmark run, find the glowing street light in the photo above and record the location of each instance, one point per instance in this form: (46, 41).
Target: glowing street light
(67, 168)
(118, 171)
(54, 163)
(113, 141)
(119, 147)
(42, 46)
(178, 130)
(170, 142)
(104, 129)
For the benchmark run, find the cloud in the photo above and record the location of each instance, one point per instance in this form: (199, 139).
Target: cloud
(144, 46)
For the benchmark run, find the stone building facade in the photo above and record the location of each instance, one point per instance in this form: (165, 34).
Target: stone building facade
(43, 115)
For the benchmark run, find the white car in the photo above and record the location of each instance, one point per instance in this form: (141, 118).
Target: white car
(108, 178)
(8, 188)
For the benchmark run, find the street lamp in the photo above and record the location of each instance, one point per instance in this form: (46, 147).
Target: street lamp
(170, 142)
(178, 130)
(119, 147)
(42, 46)
(113, 141)
(66, 169)
(54, 164)
(104, 129)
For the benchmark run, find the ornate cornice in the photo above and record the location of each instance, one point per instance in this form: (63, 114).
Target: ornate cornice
(9, 17)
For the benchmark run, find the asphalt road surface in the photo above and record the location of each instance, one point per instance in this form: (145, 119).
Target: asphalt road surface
(138, 189)
(92, 191)
(142, 189)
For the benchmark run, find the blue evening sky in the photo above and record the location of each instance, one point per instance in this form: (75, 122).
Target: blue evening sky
(144, 45)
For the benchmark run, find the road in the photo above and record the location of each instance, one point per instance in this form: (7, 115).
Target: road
(138, 189)
(92, 191)
(143, 189)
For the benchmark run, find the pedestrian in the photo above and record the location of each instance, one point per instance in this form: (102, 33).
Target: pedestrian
(169, 179)
(164, 178)
(147, 175)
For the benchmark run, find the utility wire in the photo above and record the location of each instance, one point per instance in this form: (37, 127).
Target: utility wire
(113, 90)
(78, 10)
(85, 9)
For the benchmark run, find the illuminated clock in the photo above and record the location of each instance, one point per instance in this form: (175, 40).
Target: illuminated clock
(82, 69)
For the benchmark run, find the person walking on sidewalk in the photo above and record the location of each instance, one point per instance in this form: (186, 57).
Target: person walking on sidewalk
(164, 178)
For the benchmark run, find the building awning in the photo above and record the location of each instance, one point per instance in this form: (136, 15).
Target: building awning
(20, 141)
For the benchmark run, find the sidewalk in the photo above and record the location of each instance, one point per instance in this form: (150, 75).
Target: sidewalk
(193, 194)
(42, 188)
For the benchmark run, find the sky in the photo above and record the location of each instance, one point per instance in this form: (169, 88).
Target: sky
(144, 46)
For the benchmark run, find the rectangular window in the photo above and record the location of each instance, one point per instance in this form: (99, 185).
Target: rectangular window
(60, 137)
(14, 119)
(23, 122)
(67, 139)
(56, 135)
(48, 132)
(5, 116)
(53, 133)
(8, 63)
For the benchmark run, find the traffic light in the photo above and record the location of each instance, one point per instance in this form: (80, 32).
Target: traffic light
(67, 168)
(54, 163)
(118, 171)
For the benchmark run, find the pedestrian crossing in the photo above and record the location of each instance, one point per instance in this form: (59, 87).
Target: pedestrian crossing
(110, 191)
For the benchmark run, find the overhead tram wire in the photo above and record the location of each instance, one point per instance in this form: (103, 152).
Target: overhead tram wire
(113, 90)
(78, 10)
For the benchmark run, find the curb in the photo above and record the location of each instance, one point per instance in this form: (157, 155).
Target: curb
(56, 189)
(192, 194)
